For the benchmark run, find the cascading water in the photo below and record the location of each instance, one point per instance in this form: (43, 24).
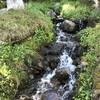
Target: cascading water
(15, 4)
(66, 62)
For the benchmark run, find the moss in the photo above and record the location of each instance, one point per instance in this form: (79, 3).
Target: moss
(33, 28)
(18, 25)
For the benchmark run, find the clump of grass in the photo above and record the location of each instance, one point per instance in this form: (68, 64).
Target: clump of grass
(18, 25)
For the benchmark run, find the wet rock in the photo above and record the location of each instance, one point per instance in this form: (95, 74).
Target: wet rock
(61, 75)
(70, 46)
(96, 95)
(51, 13)
(50, 95)
(78, 50)
(68, 26)
(52, 61)
(83, 23)
(25, 97)
(91, 21)
(51, 49)
(35, 65)
(39, 68)
(58, 19)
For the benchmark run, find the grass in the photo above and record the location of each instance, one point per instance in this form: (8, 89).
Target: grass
(23, 31)
(89, 37)
(74, 9)
(21, 24)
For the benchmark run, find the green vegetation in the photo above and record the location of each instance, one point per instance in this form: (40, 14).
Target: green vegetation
(23, 31)
(2, 4)
(77, 10)
(18, 25)
(89, 37)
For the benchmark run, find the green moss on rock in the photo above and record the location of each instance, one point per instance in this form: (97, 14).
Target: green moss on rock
(18, 25)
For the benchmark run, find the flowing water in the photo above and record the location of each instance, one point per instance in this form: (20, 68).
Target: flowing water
(15, 4)
(65, 62)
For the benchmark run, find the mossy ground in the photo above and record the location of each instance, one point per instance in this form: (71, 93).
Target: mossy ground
(21, 24)
(23, 31)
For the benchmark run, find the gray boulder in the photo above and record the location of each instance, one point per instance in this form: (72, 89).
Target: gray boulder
(61, 75)
(50, 95)
(68, 26)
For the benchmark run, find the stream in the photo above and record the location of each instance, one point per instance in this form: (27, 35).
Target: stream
(66, 62)
(58, 83)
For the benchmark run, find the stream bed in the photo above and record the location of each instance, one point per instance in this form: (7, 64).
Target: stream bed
(60, 59)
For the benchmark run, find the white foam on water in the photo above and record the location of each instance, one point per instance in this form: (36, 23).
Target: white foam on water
(60, 35)
(65, 62)
(15, 4)
(47, 78)
(44, 84)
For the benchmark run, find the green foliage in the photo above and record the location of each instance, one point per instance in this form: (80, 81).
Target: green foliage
(37, 29)
(37, 6)
(89, 37)
(76, 10)
(84, 80)
(9, 81)
(18, 25)
(73, 9)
